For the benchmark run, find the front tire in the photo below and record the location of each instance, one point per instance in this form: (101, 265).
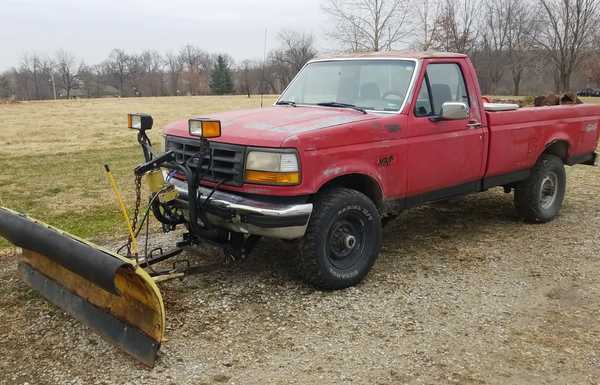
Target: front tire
(539, 198)
(342, 240)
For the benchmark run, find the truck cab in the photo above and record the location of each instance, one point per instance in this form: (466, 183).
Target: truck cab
(356, 139)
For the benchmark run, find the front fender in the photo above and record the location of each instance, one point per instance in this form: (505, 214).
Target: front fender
(340, 164)
(380, 162)
(337, 171)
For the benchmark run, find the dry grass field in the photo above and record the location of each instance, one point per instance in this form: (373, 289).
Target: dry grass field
(463, 293)
(52, 155)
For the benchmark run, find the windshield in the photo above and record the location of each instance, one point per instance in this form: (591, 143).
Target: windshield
(379, 85)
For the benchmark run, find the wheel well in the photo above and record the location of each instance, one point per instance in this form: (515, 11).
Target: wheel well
(359, 182)
(559, 148)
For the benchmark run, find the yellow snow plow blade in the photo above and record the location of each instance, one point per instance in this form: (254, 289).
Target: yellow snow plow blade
(105, 291)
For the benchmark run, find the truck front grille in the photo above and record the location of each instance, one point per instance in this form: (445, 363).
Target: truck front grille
(224, 163)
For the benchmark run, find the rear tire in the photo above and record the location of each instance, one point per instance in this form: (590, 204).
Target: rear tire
(342, 240)
(539, 198)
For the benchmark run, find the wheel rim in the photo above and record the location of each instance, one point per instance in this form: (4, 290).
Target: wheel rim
(548, 190)
(346, 241)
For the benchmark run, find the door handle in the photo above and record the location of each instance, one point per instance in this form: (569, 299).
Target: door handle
(473, 125)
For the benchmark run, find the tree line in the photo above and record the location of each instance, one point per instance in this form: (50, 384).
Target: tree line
(509, 41)
(517, 46)
(189, 71)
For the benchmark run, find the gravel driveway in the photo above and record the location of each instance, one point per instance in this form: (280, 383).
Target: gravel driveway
(463, 293)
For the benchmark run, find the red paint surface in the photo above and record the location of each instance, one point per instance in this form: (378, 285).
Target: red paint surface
(427, 156)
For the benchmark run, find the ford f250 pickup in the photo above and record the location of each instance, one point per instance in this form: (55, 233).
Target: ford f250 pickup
(350, 143)
(356, 139)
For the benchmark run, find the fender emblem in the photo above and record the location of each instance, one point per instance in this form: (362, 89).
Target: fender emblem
(386, 161)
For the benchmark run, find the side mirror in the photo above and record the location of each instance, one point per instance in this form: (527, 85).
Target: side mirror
(454, 111)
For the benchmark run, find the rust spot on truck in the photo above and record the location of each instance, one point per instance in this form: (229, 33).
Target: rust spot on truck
(392, 127)
(333, 171)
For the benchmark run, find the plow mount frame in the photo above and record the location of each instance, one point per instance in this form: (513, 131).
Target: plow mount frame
(235, 245)
(168, 161)
(111, 293)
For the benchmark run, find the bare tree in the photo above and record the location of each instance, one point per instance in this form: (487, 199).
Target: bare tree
(32, 63)
(32, 77)
(137, 73)
(521, 37)
(591, 69)
(91, 80)
(117, 66)
(174, 65)
(67, 71)
(569, 26)
(495, 29)
(153, 67)
(23, 80)
(6, 87)
(456, 26)
(249, 78)
(277, 73)
(197, 66)
(427, 12)
(189, 57)
(368, 25)
(297, 47)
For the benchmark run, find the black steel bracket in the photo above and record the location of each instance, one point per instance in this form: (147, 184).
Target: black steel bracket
(155, 164)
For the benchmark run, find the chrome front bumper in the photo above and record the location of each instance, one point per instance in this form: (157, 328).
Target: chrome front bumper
(250, 216)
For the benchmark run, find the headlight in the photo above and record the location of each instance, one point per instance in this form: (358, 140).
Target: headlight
(270, 167)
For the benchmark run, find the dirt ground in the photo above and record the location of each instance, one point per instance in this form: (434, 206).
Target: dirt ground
(463, 293)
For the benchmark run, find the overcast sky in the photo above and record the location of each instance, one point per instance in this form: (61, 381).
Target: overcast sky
(90, 29)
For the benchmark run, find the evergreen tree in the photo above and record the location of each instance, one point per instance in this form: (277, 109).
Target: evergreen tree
(221, 80)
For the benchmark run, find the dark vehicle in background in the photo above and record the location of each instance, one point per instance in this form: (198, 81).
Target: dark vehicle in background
(593, 92)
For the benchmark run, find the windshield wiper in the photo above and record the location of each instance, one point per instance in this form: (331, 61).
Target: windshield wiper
(286, 103)
(342, 105)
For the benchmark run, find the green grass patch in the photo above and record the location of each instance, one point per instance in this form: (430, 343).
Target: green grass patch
(90, 224)
(71, 192)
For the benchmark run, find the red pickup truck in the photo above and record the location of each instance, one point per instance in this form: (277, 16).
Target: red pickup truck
(354, 140)
(350, 143)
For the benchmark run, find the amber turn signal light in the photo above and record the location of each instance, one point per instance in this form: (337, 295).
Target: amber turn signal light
(203, 128)
(272, 178)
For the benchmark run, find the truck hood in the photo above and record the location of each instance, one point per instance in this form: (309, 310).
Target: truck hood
(271, 126)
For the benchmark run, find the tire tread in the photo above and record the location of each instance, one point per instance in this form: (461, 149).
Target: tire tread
(307, 262)
(526, 197)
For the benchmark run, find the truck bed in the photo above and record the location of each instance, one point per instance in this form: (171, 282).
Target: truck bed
(517, 138)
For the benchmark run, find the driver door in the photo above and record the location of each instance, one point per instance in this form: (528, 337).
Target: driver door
(444, 157)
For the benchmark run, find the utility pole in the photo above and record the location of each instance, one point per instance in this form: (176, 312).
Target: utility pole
(262, 80)
(53, 84)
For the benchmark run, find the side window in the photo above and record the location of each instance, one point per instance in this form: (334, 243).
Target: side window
(443, 83)
(423, 106)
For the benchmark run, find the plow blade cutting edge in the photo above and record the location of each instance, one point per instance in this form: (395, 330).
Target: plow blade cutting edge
(105, 291)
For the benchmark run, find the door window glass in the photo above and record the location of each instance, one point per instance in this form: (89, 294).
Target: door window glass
(423, 106)
(443, 83)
